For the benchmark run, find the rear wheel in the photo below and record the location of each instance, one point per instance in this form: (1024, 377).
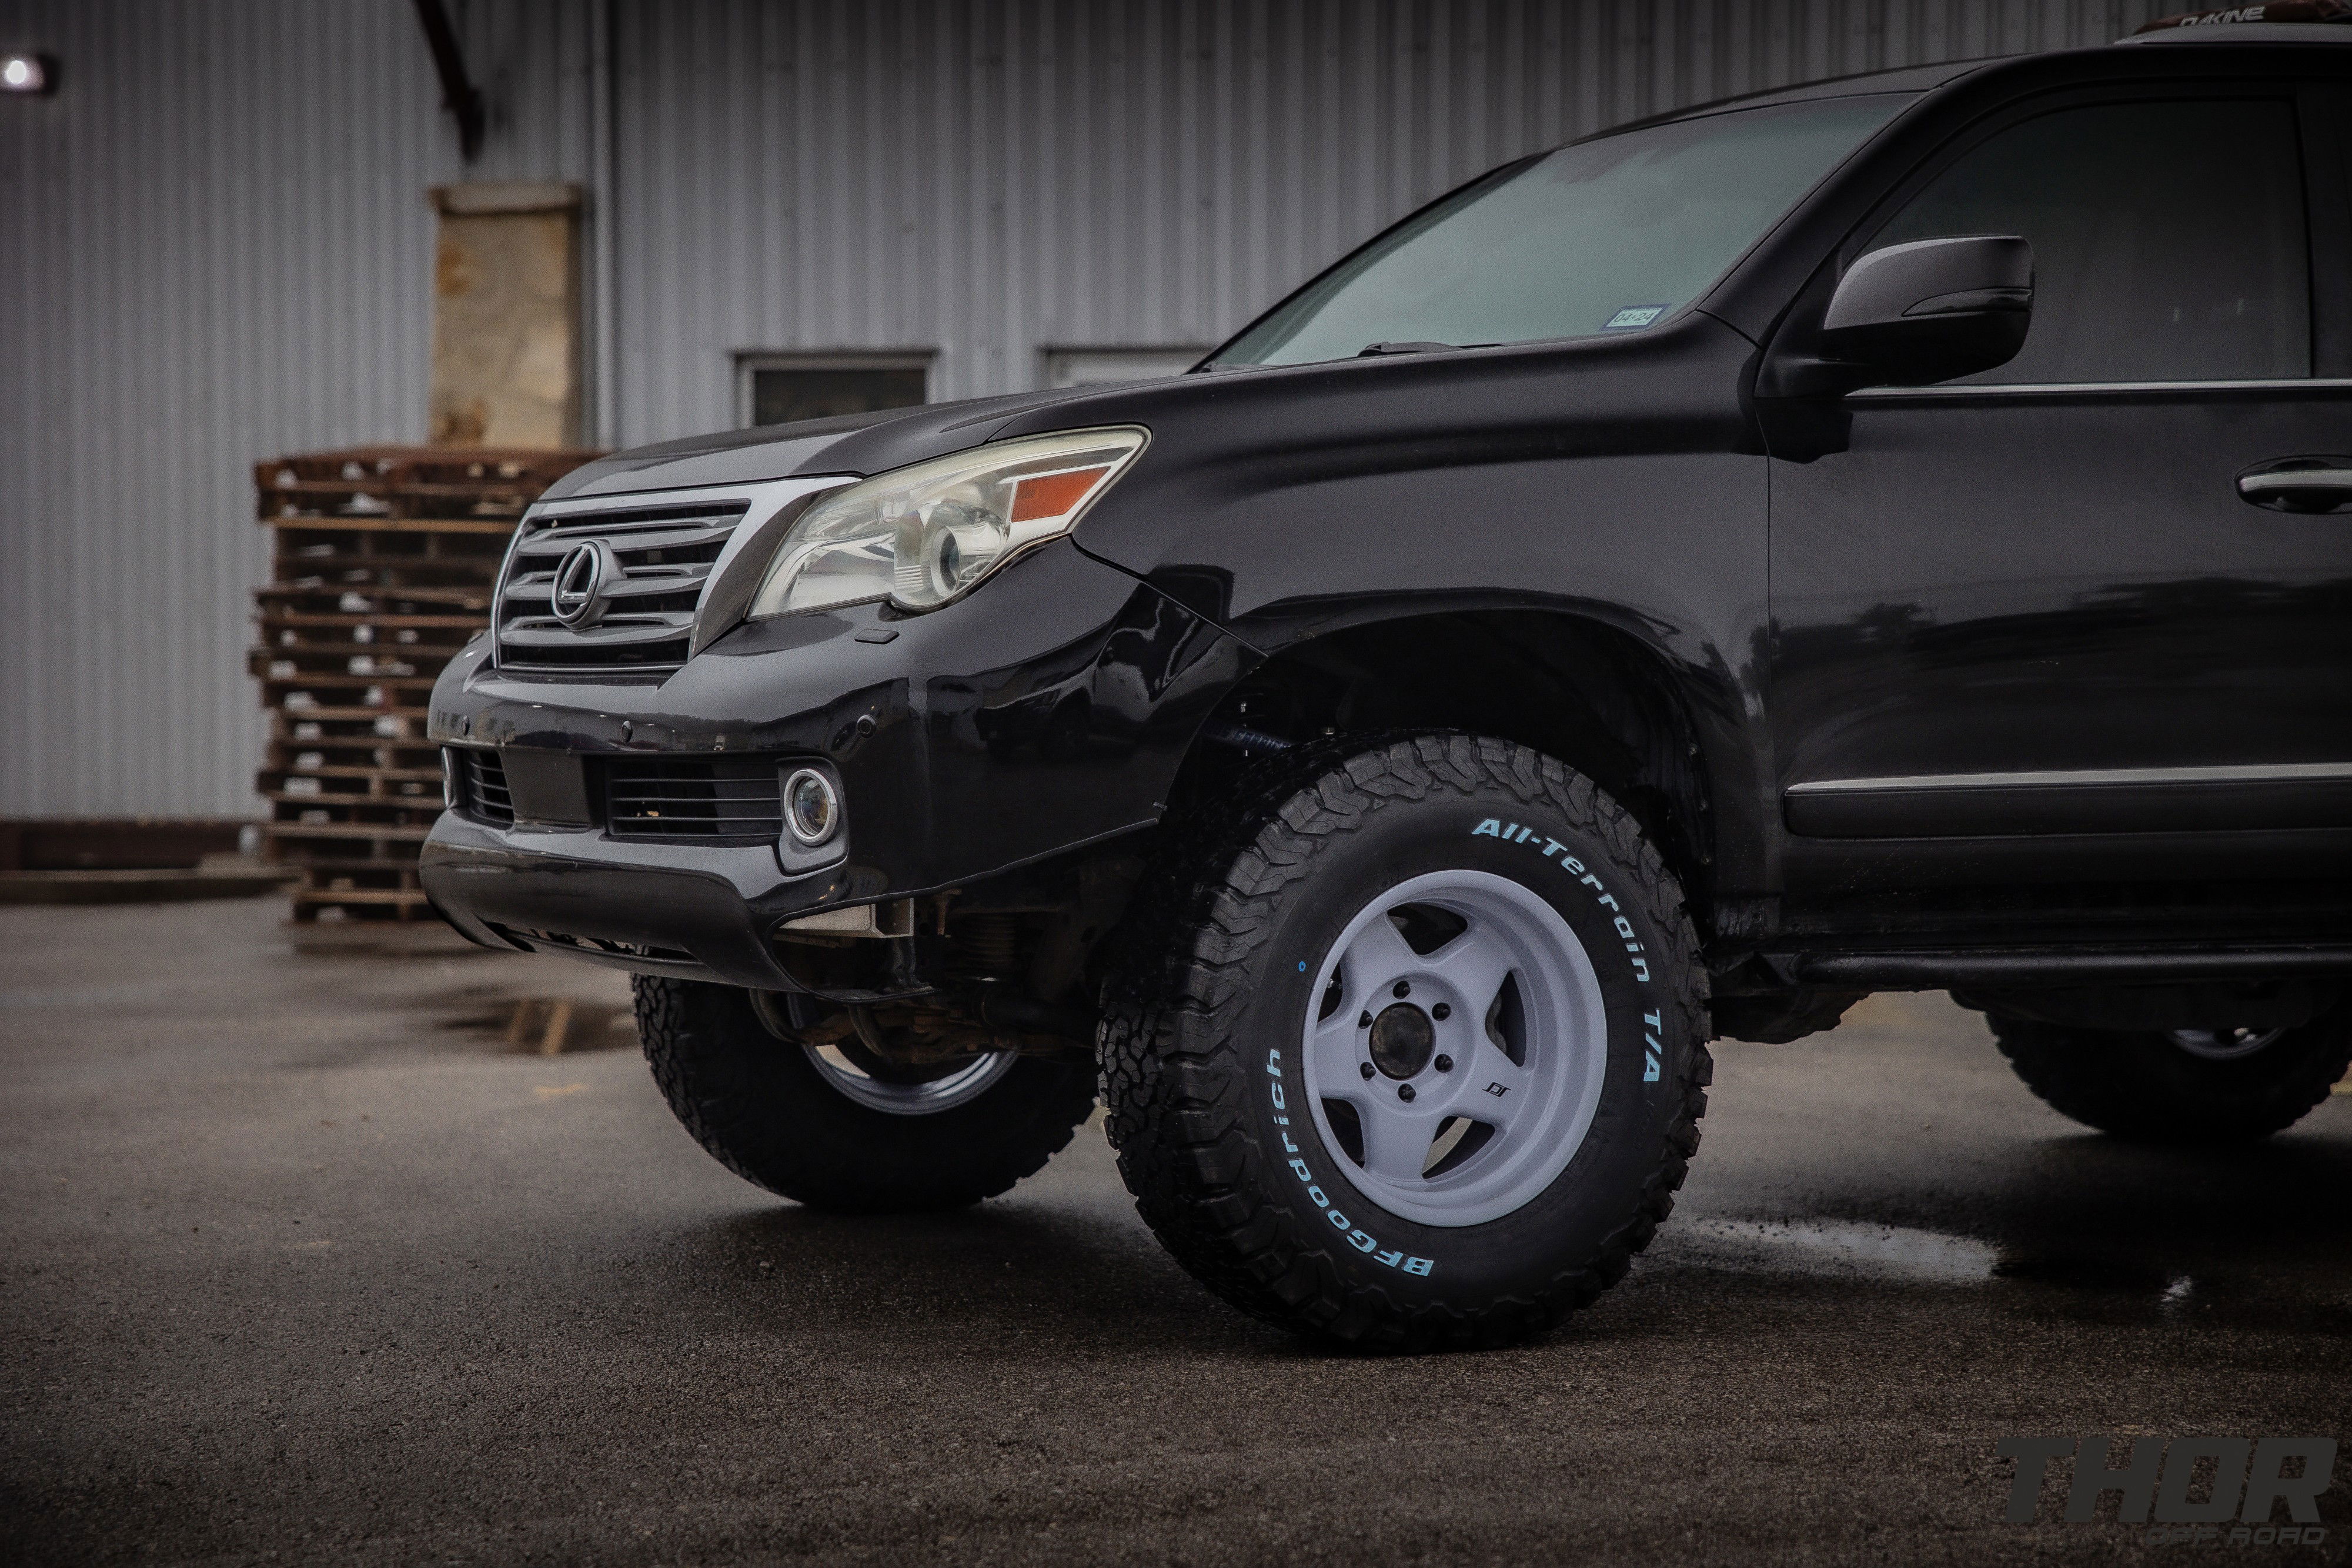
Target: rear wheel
(837, 1126)
(2179, 1086)
(1406, 1051)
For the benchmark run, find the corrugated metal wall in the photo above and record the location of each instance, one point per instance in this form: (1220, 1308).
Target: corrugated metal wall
(990, 180)
(216, 246)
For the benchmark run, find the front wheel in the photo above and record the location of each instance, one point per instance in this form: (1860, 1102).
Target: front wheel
(1408, 1053)
(843, 1129)
(2179, 1086)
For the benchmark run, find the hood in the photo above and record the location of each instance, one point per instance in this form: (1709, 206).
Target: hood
(1275, 426)
(858, 443)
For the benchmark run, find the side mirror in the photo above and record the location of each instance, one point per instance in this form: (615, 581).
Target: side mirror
(1913, 314)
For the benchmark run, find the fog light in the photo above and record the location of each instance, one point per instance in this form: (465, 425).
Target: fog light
(811, 808)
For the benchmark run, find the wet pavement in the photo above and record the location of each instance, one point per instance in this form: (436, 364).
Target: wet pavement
(304, 1263)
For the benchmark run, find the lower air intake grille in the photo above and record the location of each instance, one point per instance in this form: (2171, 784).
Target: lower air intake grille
(483, 779)
(735, 801)
(603, 945)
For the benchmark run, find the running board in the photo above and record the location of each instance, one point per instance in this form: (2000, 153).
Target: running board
(1930, 970)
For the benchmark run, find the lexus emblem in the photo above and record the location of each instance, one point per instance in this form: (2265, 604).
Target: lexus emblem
(581, 578)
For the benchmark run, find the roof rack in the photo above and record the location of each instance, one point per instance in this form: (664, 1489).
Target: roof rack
(2279, 21)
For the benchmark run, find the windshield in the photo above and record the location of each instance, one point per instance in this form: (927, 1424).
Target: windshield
(1609, 235)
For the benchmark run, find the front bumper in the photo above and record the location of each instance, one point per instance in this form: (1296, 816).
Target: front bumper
(664, 909)
(1049, 711)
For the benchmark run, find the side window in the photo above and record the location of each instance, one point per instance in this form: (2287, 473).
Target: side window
(2167, 239)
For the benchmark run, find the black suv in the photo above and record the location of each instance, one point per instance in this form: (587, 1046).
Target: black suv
(1892, 534)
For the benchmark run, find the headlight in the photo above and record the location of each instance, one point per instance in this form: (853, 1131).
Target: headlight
(923, 536)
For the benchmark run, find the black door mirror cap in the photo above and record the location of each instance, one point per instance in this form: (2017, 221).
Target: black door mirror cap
(1903, 280)
(1930, 309)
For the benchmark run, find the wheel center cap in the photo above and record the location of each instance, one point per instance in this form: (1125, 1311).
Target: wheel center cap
(1402, 1039)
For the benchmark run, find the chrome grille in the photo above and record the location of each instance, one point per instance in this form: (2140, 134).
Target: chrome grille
(482, 781)
(664, 557)
(712, 801)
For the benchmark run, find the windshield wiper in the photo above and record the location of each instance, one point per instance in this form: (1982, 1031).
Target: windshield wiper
(1368, 351)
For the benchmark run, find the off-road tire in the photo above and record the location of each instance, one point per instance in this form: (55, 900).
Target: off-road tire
(1210, 979)
(2139, 1085)
(763, 1110)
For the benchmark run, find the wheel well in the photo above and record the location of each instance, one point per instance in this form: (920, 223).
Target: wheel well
(1571, 689)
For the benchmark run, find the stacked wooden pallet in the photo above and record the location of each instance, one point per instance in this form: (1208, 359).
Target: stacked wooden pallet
(383, 564)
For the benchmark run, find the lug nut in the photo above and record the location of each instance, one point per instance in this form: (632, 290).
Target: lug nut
(1445, 1063)
(1401, 991)
(1404, 1090)
(1441, 1012)
(1365, 1068)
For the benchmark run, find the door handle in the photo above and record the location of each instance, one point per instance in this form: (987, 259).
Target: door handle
(2307, 485)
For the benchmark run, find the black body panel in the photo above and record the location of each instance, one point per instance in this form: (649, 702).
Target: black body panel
(2099, 601)
(1612, 480)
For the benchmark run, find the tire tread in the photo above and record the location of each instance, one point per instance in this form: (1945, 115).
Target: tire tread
(2124, 1083)
(719, 1069)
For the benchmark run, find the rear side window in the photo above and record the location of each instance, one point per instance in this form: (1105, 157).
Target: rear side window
(2167, 239)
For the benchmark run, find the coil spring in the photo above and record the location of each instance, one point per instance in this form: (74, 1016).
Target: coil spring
(990, 943)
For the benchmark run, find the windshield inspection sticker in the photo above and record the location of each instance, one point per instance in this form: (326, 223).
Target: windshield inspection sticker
(1634, 318)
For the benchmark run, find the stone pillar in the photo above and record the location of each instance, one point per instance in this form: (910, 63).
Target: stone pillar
(506, 316)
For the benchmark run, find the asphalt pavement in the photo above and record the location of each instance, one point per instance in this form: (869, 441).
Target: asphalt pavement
(302, 1261)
